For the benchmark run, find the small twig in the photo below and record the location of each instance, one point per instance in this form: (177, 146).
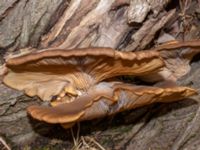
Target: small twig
(96, 143)
(4, 144)
(76, 140)
(78, 131)
(84, 142)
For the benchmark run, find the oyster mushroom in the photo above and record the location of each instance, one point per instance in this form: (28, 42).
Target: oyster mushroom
(77, 86)
(177, 56)
(49, 73)
(107, 98)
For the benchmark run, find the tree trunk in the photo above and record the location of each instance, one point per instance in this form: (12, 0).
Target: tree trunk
(34, 24)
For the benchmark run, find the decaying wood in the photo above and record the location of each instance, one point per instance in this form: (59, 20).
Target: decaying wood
(30, 25)
(150, 27)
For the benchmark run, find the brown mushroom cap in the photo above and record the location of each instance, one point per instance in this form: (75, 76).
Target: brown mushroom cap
(178, 44)
(46, 73)
(176, 54)
(107, 99)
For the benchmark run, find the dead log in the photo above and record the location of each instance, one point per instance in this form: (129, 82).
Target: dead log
(127, 25)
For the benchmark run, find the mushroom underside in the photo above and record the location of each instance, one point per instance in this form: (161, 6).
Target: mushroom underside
(107, 98)
(77, 86)
(46, 74)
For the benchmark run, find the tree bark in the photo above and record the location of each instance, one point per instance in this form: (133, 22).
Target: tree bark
(34, 24)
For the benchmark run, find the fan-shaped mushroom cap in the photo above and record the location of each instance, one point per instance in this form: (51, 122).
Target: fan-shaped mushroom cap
(47, 73)
(178, 44)
(106, 99)
(76, 77)
(174, 58)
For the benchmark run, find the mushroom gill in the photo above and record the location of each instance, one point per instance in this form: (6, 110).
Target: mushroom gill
(47, 73)
(76, 82)
(176, 54)
(107, 98)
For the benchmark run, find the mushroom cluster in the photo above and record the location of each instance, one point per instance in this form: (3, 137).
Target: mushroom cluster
(81, 84)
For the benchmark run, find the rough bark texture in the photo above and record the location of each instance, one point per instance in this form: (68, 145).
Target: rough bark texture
(101, 23)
